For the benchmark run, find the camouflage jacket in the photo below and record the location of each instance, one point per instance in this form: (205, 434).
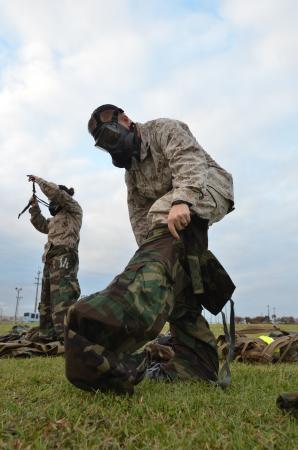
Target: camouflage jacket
(64, 227)
(173, 166)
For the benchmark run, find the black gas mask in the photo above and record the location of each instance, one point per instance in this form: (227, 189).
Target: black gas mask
(54, 208)
(121, 143)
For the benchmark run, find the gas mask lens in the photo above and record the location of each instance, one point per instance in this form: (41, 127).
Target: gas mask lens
(109, 136)
(118, 140)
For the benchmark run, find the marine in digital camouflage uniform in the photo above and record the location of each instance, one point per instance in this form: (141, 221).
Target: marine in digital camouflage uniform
(60, 286)
(173, 186)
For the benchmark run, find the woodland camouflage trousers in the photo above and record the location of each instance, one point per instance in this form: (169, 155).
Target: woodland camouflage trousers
(104, 330)
(60, 290)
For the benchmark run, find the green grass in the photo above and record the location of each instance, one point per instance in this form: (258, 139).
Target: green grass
(39, 409)
(5, 327)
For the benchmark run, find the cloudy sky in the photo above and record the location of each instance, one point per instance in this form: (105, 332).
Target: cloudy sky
(229, 68)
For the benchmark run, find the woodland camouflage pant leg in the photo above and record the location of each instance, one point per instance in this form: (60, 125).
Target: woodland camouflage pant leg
(64, 285)
(60, 290)
(193, 342)
(103, 330)
(45, 307)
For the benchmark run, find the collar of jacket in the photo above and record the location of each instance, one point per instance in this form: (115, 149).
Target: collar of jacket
(145, 145)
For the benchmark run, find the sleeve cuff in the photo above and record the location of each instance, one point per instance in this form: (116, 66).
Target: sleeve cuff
(187, 195)
(181, 202)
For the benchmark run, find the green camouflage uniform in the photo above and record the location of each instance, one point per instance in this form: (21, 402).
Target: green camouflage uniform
(60, 286)
(104, 330)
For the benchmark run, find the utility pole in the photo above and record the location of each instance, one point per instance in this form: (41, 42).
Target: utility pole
(17, 304)
(274, 315)
(37, 282)
(268, 312)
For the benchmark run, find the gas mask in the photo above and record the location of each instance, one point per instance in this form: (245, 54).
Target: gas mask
(122, 144)
(54, 208)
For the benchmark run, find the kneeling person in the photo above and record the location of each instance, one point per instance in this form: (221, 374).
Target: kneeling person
(175, 191)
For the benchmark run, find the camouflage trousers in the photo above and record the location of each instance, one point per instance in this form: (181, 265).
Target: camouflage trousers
(60, 290)
(104, 330)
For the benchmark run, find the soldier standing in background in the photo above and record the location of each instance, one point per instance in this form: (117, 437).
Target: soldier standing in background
(60, 286)
(175, 191)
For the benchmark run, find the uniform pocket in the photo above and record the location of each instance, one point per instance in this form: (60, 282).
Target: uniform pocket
(129, 274)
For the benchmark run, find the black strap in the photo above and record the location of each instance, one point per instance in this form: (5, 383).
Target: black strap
(115, 115)
(224, 375)
(40, 200)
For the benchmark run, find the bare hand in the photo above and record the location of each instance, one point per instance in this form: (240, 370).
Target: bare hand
(178, 219)
(31, 177)
(33, 200)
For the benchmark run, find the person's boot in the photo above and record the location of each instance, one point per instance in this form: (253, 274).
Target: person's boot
(158, 373)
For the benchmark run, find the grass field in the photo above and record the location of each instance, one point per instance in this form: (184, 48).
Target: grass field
(39, 409)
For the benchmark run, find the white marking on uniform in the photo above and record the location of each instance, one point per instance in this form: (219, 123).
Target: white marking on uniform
(63, 263)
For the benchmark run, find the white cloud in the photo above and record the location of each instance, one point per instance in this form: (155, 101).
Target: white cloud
(231, 76)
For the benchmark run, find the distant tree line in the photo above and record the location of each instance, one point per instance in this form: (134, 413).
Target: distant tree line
(267, 319)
